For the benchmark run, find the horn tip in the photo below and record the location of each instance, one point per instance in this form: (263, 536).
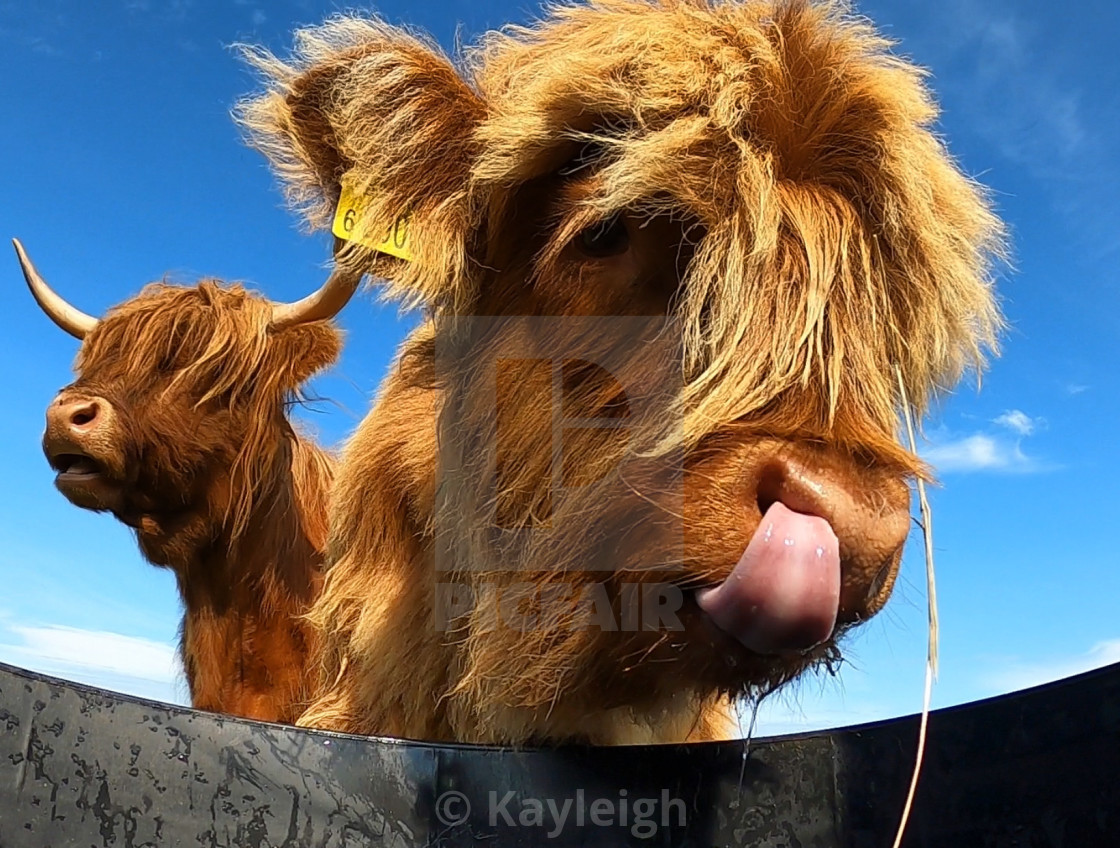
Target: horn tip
(24, 263)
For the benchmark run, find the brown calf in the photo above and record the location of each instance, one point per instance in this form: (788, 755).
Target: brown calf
(678, 257)
(177, 425)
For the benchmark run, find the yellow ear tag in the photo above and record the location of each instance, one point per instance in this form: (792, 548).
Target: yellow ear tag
(348, 225)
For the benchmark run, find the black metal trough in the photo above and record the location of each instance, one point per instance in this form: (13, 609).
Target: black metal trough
(80, 766)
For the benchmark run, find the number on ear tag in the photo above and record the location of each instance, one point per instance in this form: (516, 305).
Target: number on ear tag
(349, 226)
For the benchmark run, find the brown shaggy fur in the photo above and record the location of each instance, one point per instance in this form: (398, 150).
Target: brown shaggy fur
(787, 214)
(197, 455)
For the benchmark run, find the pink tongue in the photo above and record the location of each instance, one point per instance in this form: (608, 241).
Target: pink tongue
(785, 590)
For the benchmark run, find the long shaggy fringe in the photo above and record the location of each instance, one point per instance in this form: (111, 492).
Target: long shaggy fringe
(212, 343)
(801, 146)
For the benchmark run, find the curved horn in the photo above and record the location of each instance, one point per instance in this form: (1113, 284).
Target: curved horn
(72, 320)
(325, 303)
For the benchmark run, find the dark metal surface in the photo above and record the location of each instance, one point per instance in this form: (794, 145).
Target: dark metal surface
(84, 767)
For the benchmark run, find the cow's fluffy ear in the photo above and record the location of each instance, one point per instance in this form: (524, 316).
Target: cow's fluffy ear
(365, 100)
(296, 354)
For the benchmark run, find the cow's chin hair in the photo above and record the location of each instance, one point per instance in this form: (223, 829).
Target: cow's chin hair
(579, 668)
(171, 540)
(721, 663)
(637, 534)
(568, 662)
(171, 534)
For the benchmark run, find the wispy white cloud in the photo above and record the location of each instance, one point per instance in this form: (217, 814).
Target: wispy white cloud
(113, 661)
(98, 650)
(823, 701)
(38, 44)
(259, 17)
(32, 41)
(992, 449)
(177, 9)
(780, 718)
(1018, 421)
(1019, 97)
(980, 452)
(1028, 96)
(172, 11)
(1076, 388)
(1019, 674)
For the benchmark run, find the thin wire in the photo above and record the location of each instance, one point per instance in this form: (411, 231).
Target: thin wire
(931, 598)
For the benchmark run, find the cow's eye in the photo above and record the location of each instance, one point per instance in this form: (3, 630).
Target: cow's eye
(606, 238)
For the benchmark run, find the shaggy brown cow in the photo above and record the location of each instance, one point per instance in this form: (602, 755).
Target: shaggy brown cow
(730, 225)
(177, 425)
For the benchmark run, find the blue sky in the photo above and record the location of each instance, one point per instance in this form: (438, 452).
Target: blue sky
(120, 163)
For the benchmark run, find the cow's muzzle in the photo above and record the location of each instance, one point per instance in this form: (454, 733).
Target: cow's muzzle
(79, 445)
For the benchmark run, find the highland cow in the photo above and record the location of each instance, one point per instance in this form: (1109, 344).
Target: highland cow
(680, 260)
(177, 425)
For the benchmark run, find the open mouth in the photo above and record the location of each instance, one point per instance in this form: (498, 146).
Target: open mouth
(783, 595)
(75, 467)
(84, 481)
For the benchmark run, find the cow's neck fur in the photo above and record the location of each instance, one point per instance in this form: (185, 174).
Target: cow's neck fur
(406, 667)
(243, 645)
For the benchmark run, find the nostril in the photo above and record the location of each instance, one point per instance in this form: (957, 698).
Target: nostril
(84, 415)
(771, 481)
